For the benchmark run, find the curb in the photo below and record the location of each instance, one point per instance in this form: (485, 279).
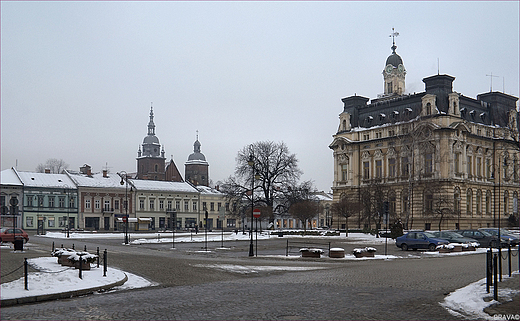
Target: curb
(62, 295)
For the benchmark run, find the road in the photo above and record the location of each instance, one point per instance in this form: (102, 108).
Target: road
(191, 288)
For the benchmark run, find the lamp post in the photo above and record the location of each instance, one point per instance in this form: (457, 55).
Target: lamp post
(125, 182)
(251, 162)
(66, 191)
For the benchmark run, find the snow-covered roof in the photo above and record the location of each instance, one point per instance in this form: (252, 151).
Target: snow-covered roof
(97, 180)
(32, 179)
(323, 196)
(9, 177)
(149, 185)
(208, 190)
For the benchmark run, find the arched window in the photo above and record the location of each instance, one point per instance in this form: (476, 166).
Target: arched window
(344, 124)
(156, 168)
(488, 202)
(456, 200)
(428, 109)
(479, 202)
(506, 202)
(515, 203)
(469, 202)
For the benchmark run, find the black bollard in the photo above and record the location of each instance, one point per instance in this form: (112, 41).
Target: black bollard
(52, 246)
(105, 263)
(73, 246)
(25, 274)
(97, 253)
(495, 271)
(489, 267)
(509, 256)
(80, 266)
(85, 248)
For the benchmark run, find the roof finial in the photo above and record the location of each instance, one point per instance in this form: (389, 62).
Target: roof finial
(197, 134)
(393, 35)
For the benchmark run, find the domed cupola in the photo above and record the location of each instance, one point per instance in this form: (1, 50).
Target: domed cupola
(196, 168)
(394, 72)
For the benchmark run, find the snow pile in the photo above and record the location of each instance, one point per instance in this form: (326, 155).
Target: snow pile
(63, 279)
(245, 269)
(470, 301)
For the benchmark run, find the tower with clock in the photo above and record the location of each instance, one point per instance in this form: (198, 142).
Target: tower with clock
(394, 72)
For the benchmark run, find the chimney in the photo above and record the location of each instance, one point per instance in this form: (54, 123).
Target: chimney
(47, 171)
(105, 173)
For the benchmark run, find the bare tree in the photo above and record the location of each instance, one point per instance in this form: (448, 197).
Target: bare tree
(56, 166)
(274, 171)
(346, 207)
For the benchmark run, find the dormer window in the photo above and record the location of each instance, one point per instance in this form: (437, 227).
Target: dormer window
(428, 109)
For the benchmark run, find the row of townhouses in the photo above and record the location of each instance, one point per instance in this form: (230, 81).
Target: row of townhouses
(102, 201)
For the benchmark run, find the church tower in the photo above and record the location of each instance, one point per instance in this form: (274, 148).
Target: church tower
(394, 72)
(196, 168)
(150, 159)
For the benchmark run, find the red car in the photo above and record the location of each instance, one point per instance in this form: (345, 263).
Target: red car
(8, 234)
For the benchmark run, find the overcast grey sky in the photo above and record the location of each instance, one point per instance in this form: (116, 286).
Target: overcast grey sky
(78, 78)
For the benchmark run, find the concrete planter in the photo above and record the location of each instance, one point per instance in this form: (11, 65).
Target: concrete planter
(316, 253)
(337, 253)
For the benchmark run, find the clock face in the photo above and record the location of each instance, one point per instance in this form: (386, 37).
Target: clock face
(400, 68)
(389, 69)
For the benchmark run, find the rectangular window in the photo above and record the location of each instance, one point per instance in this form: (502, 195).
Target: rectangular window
(204, 207)
(178, 205)
(97, 204)
(405, 166)
(379, 168)
(141, 204)
(428, 162)
(106, 206)
(61, 202)
(227, 207)
(219, 205)
(428, 203)
(50, 221)
(212, 206)
(169, 207)
(29, 221)
(29, 200)
(186, 206)
(344, 172)
(366, 137)
(63, 221)
(116, 204)
(194, 206)
(391, 167)
(468, 166)
(479, 167)
(40, 201)
(51, 201)
(87, 203)
(161, 205)
(152, 204)
(231, 222)
(456, 163)
(366, 170)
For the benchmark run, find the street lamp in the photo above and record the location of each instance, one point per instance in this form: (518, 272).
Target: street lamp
(125, 182)
(254, 175)
(66, 191)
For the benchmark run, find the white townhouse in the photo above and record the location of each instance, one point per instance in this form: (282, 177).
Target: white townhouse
(156, 200)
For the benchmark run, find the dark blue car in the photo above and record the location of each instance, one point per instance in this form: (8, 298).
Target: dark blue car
(419, 240)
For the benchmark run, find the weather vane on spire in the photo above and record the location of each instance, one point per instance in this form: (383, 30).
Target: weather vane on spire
(393, 35)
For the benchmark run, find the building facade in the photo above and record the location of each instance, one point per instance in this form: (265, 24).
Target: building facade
(438, 159)
(103, 198)
(196, 169)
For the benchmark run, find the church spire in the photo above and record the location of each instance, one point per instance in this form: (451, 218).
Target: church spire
(151, 125)
(393, 35)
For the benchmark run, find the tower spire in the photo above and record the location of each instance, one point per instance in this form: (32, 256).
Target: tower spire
(151, 125)
(393, 35)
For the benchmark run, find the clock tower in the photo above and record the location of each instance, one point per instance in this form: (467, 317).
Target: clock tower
(150, 159)
(394, 72)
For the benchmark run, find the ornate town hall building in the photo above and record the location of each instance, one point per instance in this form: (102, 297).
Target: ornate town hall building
(440, 159)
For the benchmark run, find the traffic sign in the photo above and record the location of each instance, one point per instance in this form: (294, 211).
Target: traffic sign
(256, 212)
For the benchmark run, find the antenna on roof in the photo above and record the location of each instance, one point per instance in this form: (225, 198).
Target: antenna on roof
(491, 86)
(438, 67)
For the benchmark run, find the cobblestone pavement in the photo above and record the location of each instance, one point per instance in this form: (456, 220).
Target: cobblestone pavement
(398, 289)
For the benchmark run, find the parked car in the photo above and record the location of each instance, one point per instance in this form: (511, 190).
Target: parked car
(419, 240)
(454, 237)
(8, 234)
(505, 235)
(484, 238)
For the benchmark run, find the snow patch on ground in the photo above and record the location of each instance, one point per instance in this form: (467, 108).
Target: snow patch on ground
(470, 301)
(54, 278)
(246, 269)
